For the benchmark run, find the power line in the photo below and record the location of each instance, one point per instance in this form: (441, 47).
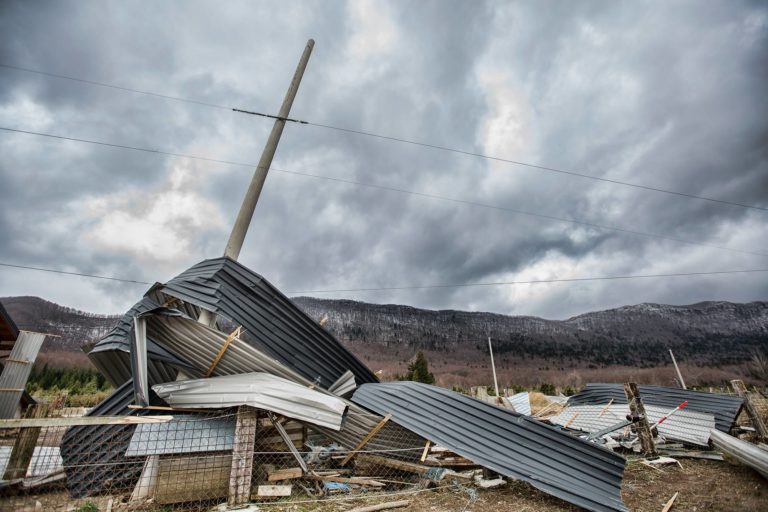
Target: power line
(393, 189)
(536, 281)
(397, 139)
(93, 276)
(425, 287)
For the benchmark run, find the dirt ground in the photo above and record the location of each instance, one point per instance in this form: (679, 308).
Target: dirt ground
(703, 486)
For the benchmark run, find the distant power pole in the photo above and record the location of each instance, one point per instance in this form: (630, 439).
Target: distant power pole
(495, 382)
(243, 220)
(677, 369)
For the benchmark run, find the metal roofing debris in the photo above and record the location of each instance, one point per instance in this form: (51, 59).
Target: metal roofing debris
(344, 385)
(8, 330)
(228, 288)
(725, 408)
(16, 371)
(685, 426)
(744, 452)
(45, 460)
(259, 390)
(185, 433)
(94, 457)
(503, 441)
(521, 403)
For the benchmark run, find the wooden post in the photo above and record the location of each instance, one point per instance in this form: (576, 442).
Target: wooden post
(677, 369)
(636, 408)
(752, 412)
(242, 456)
(367, 438)
(24, 447)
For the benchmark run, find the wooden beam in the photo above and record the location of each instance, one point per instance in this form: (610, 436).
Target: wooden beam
(407, 467)
(637, 409)
(166, 408)
(24, 447)
(275, 475)
(752, 412)
(82, 421)
(567, 423)
(273, 491)
(367, 438)
(426, 450)
(382, 506)
(670, 503)
(234, 334)
(242, 456)
(602, 411)
(346, 480)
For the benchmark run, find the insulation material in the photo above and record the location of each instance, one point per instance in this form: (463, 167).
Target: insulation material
(509, 443)
(259, 390)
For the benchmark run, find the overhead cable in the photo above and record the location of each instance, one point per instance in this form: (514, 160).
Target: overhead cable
(392, 189)
(397, 139)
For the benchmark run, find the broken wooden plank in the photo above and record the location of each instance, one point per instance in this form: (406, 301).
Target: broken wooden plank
(346, 480)
(602, 411)
(241, 467)
(367, 438)
(232, 336)
(82, 421)
(24, 447)
(575, 415)
(288, 442)
(273, 491)
(381, 506)
(400, 465)
(275, 475)
(426, 450)
(671, 502)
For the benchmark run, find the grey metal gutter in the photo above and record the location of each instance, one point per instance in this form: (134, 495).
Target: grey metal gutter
(511, 444)
(744, 452)
(725, 408)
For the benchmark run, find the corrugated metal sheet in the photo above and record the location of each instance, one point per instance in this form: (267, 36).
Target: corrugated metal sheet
(521, 402)
(13, 380)
(506, 442)
(725, 408)
(45, 460)
(685, 426)
(279, 327)
(185, 433)
(345, 385)
(94, 457)
(746, 453)
(259, 390)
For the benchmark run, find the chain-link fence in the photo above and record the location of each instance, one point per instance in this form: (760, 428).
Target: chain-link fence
(192, 460)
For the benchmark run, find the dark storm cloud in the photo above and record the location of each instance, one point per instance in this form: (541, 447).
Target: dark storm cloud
(663, 95)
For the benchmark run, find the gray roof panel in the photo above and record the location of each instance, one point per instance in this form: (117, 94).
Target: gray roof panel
(506, 442)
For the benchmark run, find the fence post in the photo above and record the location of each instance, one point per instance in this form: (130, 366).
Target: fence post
(242, 456)
(24, 447)
(637, 409)
(752, 412)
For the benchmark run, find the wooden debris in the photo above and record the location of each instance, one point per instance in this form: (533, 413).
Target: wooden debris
(24, 447)
(275, 475)
(273, 491)
(567, 423)
(242, 456)
(602, 411)
(637, 409)
(752, 412)
(381, 506)
(360, 480)
(367, 438)
(426, 451)
(407, 467)
(234, 334)
(81, 421)
(671, 502)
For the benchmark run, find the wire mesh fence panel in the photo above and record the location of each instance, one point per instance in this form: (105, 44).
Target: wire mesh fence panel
(194, 460)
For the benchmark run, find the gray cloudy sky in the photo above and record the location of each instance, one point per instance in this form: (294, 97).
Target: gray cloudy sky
(663, 94)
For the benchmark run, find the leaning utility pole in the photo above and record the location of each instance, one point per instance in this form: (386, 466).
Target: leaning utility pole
(495, 382)
(243, 220)
(677, 369)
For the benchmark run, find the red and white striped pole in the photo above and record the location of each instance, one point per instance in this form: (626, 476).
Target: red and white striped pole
(670, 413)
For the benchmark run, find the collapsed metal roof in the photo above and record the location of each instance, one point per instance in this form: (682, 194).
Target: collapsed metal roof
(259, 390)
(94, 456)
(725, 408)
(687, 426)
(506, 442)
(284, 331)
(274, 325)
(17, 368)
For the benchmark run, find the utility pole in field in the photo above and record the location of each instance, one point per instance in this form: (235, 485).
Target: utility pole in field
(244, 216)
(495, 382)
(243, 220)
(677, 369)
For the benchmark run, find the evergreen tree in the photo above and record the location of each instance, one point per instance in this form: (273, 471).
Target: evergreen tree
(418, 370)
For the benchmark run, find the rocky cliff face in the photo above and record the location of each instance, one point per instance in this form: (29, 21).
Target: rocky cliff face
(707, 333)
